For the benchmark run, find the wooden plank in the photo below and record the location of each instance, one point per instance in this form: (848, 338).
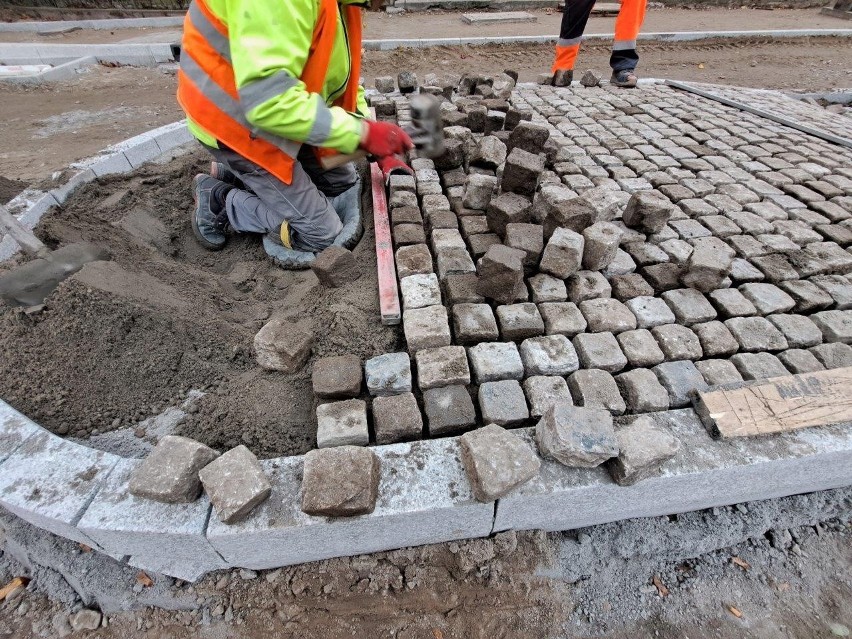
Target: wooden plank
(778, 405)
(388, 291)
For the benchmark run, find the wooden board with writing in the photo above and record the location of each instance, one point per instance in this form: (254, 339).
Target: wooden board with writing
(778, 405)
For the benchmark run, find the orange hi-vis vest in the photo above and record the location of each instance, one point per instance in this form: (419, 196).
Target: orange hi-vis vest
(207, 88)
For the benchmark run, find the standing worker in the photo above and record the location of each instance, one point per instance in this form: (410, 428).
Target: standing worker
(624, 57)
(270, 87)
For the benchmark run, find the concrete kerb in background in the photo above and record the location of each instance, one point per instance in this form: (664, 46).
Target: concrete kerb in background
(53, 74)
(110, 24)
(80, 493)
(129, 53)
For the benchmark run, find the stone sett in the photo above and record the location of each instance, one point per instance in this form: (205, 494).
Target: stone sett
(426, 327)
(680, 379)
(503, 403)
(474, 323)
(799, 330)
(545, 288)
(342, 423)
(501, 271)
(479, 191)
(601, 245)
(630, 286)
(169, 474)
(337, 376)
(719, 371)
(549, 355)
(677, 342)
(282, 346)
(587, 285)
(768, 298)
(388, 374)
(835, 355)
(607, 315)
(543, 391)
(528, 238)
(412, 260)
(479, 244)
(340, 482)
(837, 287)
(836, 326)
(449, 410)
(496, 461)
(756, 334)
(236, 483)
(642, 391)
(689, 306)
(563, 254)
(494, 361)
(336, 266)
(576, 436)
(508, 208)
(562, 318)
(419, 291)
(522, 172)
(648, 211)
(755, 366)
(643, 446)
(600, 350)
(519, 321)
(650, 311)
(396, 418)
(595, 388)
(730, 302)
(640, 348)
(460, 288)
(445, 366)
(799, 361)
(716, 340)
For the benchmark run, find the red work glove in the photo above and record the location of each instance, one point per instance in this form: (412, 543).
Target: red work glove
(383, 139)
(392, 164)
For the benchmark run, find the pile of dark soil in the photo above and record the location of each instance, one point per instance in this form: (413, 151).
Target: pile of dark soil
(10, 188)
(121, 340)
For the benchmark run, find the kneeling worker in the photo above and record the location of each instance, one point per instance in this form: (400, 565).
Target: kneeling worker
(624, 57)
(270, 87)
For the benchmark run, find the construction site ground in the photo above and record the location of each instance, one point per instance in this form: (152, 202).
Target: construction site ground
(771, 569)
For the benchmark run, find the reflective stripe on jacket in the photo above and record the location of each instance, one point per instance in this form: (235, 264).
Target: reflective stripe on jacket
(264, 76)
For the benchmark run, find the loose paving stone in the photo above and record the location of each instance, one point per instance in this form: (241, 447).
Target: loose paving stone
(496, 461)
(601, 244)
(528, 238)
(648, 211)
(563, 254)
(730, 302)
(388, 374)
(337, 376)
(562, 318)
(479, 244)
(529, 137)
(689, 306)
(490, 154)
(799, 330)
(236, 483)
(549, 355)
(587, 285)
(544, 391)
(643, 447)
(680, 379)
(642, 391)
(716, 340)
(706, 269)
(677, 342)
(340, 482)
(342, 423)
(479, 190)
(595, 388)
(503, 403)
(650, 311)
(419, 291)
(756, 334)
(474, 323)
(169, 474)
(600, 350)
(396, 418)
(544, 288)
(519, 321)
(663, 277)
(407, 81)
(607, 315)
(501, 271)
(412, 260)
(426, 328)
(282, 346)
(508, 208)
(630, 286)
(799, 361)
(577, 437)
(836, 326)
(336, 266)
(449, 410)
(621, 265)
(754, 366)
(445, 366)
(640, 348)
(522, 172)
(834, 355)
(719, 371)
(768, 298)
(495, 361)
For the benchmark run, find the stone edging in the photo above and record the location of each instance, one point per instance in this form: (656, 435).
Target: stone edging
(81, 494)
(96, 25)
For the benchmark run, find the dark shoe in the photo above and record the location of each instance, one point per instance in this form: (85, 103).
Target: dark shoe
(209, 219)
(626, 79)
(563, 78)
(223, 173)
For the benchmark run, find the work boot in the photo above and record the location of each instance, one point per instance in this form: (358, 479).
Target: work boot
(223, 173)
(563, 78)
(209, 219)
(626, 78)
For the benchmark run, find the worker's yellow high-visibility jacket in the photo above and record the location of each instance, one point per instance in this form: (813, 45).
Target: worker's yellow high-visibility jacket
(264, 76)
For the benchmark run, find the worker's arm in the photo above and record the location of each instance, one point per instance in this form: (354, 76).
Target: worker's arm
(362, 107)
(270, 40)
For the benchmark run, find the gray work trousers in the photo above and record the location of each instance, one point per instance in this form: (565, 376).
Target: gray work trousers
(266, 201)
